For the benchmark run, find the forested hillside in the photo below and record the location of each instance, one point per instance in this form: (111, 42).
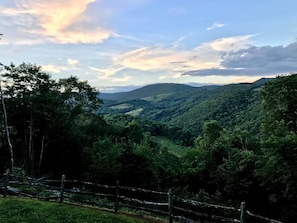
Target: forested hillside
(241, 139)
(234, 105)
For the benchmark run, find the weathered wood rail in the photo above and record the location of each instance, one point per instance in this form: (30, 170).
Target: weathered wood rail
(118, 197)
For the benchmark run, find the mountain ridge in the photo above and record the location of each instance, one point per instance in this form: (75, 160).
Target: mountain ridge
(163, 88)
(189, 107)
(148, 90)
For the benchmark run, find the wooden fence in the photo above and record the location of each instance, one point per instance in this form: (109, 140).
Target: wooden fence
(117, 197)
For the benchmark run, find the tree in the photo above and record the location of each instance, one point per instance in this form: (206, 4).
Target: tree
(278, 173)
(280, 102)
(6, 125)
(277, 167)
(44, 110)
(212, 131)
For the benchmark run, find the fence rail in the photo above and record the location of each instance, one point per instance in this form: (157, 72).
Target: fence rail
(116, 197)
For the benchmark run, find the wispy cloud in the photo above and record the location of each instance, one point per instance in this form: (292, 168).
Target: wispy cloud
(106, 73)
(55, 21)
(168, 63)
(230, 43)
(215, 25)
(178, 42)
(52, 68)
(126, 78)
(109, 74)
(173, 61)
(69, 65)
(232, 57)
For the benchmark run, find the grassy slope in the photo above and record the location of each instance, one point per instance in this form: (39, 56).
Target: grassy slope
(171, 146)
(16, 210)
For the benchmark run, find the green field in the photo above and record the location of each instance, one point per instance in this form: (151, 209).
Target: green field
(20, 210)
(171, 146)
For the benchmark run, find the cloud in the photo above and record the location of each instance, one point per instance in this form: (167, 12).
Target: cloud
(53, 68)
(229, 57)
(263, 57)
(215, 25)
(177, 42)
(156, 58)
(254, 61)
(111, 74)
(171, 61)
(106, 73)
(215, 72)
(162, 77)
(123, 79)
(55, 21)
(167, 62)
(72, 62)
(150, 58)
(230, 43)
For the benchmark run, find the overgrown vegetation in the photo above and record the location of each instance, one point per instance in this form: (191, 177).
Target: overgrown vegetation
(241, 139)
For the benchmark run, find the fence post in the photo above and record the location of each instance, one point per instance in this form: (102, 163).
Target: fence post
(62, 188)
(116, 199)
(170, 206)
(6, 182)
(242, 212)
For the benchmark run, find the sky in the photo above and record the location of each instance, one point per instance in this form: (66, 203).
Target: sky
(117, 45)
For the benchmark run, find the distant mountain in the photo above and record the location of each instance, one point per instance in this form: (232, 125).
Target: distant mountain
(147, 91)
(233, 105)
(111, 96)
(261, 82)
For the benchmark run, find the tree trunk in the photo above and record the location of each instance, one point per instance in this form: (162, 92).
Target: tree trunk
(7, 130)
(43, 145)
(31, 151)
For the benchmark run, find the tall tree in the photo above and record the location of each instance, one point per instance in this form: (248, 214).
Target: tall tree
(278, 164)
(43, 110)
(280, 102)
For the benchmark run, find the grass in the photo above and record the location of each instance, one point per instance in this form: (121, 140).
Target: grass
(135, 112)
(22, 210)
(121, 106)
(172, 147)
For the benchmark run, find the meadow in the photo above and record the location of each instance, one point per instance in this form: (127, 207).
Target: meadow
(22, 210)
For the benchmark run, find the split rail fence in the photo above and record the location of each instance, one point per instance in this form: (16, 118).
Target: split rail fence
(117, 197)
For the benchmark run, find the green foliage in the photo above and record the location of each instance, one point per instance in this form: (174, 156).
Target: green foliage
(212, 131)
(280, 102)
(41, 114)
(178, 135)
(277, 166)
(231, 105)
(102, 161)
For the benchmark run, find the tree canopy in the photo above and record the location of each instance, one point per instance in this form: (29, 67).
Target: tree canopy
(41, 110)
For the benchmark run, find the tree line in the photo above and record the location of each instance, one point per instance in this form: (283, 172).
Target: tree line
(54, 128)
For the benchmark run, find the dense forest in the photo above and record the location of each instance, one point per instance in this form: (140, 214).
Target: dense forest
(239, 141)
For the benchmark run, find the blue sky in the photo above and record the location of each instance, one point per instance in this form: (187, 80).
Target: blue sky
(119, 44)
